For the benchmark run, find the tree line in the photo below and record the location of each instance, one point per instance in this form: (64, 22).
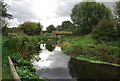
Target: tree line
(87, 18)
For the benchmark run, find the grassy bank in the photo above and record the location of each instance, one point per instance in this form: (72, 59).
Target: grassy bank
(86, 48)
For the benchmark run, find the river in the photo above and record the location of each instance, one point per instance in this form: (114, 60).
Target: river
(55, 65)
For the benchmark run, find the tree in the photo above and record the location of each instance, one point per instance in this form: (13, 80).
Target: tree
(50, 28)
(59, 28)
(30, 28)
(117, 16)
(87, 15)
(105, 31)
(4, 16)
(66, 26)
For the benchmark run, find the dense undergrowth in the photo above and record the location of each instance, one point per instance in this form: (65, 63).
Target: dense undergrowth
(21, 48)
(86, 48)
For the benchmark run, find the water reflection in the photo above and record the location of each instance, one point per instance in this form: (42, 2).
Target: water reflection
(50, 47)
(86, 70)
(54, 64)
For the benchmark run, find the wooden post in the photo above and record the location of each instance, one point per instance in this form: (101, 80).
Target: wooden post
(13, 71)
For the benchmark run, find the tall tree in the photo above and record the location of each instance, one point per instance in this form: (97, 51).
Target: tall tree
(50, 28)
(4, 15)
(86, 15)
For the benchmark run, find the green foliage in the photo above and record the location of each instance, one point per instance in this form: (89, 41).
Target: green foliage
(50, 28)
(25, 45)
(25, 69)
(87, 15)
(30, 28)
(9, 31)
(105, 31)
(11, 47)
(5, 53)
(59, 28)
(87, 48)
(66, 26)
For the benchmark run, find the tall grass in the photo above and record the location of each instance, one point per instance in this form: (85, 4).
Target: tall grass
(88, 48)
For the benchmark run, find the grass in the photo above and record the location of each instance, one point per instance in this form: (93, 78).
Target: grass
(86, 48)
(5, 66)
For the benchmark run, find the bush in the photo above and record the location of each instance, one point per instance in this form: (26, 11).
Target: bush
(23, 44)
(105, 31)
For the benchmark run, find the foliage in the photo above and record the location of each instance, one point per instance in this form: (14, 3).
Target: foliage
(89, 49)
(4, 16)
(25, 69)
(3, 8)
(66, 26)
(18, 48)
(30, 28)
(5, 53)
(86, 15)
(105, 31)
(50, 28)
(59, 28)
(25, 45)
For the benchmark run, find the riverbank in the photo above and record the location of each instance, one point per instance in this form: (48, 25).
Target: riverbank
(88, 49)
(20, 48)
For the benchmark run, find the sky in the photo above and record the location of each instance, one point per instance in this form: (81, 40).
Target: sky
(46, 12)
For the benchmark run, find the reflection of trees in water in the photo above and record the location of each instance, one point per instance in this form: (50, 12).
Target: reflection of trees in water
(29, 50)
(50, 47)
(86, 70)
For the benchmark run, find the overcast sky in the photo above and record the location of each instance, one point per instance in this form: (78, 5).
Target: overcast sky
(46, 12)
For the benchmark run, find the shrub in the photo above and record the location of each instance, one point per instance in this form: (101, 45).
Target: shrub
(23, 44)
(105, 31)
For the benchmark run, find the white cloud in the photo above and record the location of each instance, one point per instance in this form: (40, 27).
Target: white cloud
(44, 11)
(14, 22)
(55, 21)
(44, 8)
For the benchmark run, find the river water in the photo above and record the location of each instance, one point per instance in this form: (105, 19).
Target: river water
(55, 65)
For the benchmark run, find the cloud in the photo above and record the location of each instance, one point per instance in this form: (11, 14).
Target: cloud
(64, 7)
(13, 22)
(22, 10)
(44, 11)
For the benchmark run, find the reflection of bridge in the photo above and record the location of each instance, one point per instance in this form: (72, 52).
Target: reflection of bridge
(59, 33)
